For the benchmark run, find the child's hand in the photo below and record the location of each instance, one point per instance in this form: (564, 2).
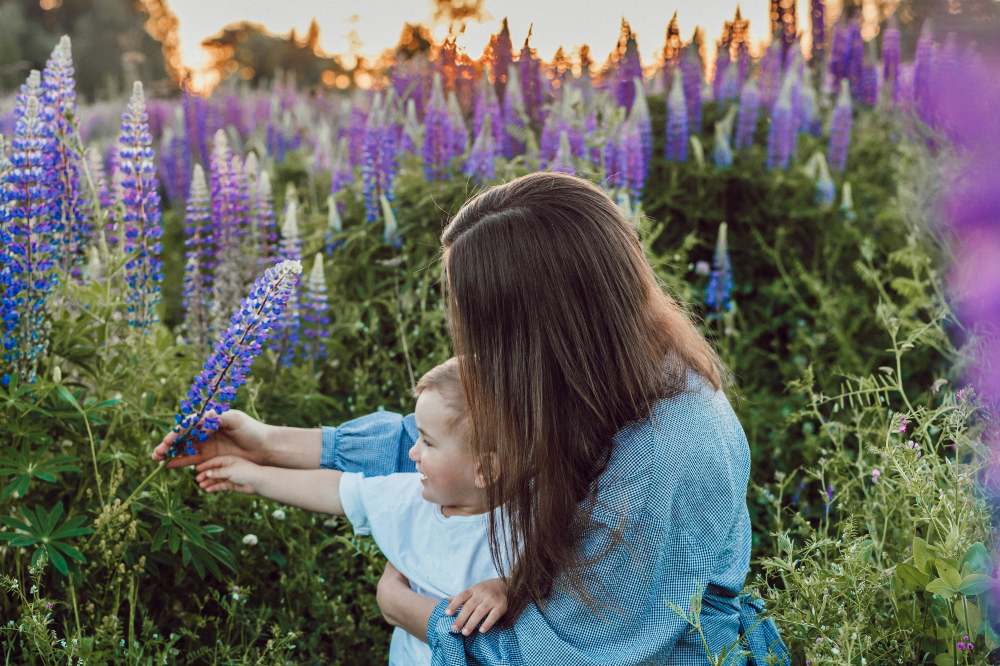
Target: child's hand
(483, 600)
(228, 473)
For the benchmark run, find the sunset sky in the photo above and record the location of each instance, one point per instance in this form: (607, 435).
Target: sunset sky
(376, 24)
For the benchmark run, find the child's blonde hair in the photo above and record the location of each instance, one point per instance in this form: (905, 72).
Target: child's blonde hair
(446, 380)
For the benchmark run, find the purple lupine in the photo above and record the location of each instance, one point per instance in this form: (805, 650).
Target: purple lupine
(719, 291)
(640, 111)
(808, 120)
(856, 61)
(840, 129)
(722, 152)
(869, 84)
(612, 159)
(817, 23)
(691, 71)
(411, 136)
(633, 158)
(59, 106)
(340, 171)
(228, 366)
(530, 73)
(890, 60)
(378, 169)
(267, 228)
(563, 161)
(590, 130)
(28, 236)
(840, 52)
(458, 135)
(174, 166)
(486, 104)
(480, 164)
(290, 249)
(629, 69)
(722, 68)
(223, 220)
(435, 150)
(196, 294)
(923, 60)
(675, 148)
(141, 213)
(355, 132)
(503, 59)
(315, 313)
(770, 73)
(515, 118)
(781, 132)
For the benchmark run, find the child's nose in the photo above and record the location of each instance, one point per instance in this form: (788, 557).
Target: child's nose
(412, 453)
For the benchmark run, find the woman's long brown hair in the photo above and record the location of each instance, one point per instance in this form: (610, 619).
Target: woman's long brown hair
(564, 336)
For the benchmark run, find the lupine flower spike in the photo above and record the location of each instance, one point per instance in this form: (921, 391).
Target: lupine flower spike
(718, 293)
(316, 312)
(141, 206)
(677, 123)
(746, 122)
(840, 129)
(290, 250)
(228, 366)
(196, 293)
(391, 233)
(27, 237)
(722, 152)
(481, 162)
(334, 226)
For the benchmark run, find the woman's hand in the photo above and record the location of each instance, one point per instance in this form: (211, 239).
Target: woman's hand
(484, 602)
(229, 473)
(238, 435)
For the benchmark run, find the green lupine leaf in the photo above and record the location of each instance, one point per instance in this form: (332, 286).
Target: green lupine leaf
(58, 561)
(65, 394)
(940, 586)
(921, 554)
(949, 574)
(71, 552)
(910, 577)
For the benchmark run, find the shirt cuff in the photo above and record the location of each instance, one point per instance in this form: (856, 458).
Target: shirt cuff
(328, 453)
(438, 623)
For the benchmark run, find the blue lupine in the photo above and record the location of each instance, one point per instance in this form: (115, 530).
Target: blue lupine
(334, 227)
(722, 152)
(28, 236)
(730, 89)
(856, 62)
(196, 292)
(340, 169)
(869, 84)
(809, 120)
(612, 159)
(719, 291)
(228, 366)
(691, 71)
(221, 188)
(840, 129)
(141, 213)
(436, 151)
(890, 60)
(315, 313)
(721, 71)
(378, 169)
(746, 122)
(480, 164)
(563, 161)
(840, 52)
(677, 124)
(781, 133)
(59, 106)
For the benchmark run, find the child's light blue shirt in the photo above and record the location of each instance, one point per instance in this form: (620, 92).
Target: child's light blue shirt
(679, 478)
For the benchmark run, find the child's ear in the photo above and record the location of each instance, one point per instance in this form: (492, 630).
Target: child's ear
(480, 478)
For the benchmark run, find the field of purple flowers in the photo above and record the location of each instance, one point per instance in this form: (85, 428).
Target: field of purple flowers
(830, 216)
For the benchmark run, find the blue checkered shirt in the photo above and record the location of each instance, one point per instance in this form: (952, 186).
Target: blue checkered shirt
(679, 477)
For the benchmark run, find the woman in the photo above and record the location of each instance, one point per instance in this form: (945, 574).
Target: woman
(598, 414)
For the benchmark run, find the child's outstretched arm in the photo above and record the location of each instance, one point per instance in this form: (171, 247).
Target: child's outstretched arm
(310, 489)
(484, 602)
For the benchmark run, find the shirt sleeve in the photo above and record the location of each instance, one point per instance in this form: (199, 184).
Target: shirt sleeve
(353, 503)
(373, 445)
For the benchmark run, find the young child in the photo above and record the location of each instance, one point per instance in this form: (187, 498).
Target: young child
(431, 525)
